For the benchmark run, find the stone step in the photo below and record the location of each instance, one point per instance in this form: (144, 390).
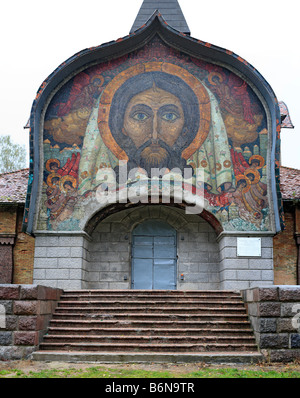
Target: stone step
(145, 304)
(153, 348)
(149, 321)
(139, 324)
(137, 292)
(97, 310)
(119, 331)
(214, 357)
(147, 294)
(146, 297)
(150, 316)
(177, 340)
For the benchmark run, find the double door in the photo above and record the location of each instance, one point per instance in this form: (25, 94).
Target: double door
(154, 255)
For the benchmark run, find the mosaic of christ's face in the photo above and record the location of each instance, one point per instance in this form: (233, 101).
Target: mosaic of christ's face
(153, 121)
(154, 114)
(153, 118)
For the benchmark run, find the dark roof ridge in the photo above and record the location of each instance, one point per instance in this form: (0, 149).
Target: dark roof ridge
(170, 11)
(290, 168)
(14, 171)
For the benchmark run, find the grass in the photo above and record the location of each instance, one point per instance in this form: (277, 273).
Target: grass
(107, 373)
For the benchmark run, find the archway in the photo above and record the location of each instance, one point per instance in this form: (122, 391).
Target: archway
(109, 250)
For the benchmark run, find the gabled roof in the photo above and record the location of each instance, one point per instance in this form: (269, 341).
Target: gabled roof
(170, 11)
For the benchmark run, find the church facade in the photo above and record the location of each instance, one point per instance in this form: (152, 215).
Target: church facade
(154, 165)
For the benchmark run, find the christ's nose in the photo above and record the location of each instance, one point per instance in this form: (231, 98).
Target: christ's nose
(154, 134)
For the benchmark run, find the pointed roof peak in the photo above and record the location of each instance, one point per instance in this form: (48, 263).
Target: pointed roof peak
(170, 11)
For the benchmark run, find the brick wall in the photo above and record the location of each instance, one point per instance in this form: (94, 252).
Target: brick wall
(23, 254)
(8, 219)
(274, 313)
(25, 312)
(285, 251)
(16, 247)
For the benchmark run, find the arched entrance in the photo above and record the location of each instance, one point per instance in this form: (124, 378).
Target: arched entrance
(116, 236)
(154, 256)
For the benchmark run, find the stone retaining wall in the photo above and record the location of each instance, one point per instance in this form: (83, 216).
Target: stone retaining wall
(274, 313)
(25, 312)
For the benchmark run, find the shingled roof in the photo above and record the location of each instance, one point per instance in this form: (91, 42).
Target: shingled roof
(13, 186)
(289, 183)
(170, 11)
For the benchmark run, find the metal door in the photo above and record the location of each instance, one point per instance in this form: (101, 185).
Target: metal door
(154, 256)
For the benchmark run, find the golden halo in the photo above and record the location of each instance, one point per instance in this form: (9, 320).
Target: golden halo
(100, 77)
(260, 159)
(243, 177)
(67, 178)
(212, 75)
(49, 161)
(256, 175)
(116, 83)
(49, 179)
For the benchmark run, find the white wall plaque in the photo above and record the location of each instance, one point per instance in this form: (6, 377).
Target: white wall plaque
(249, 247)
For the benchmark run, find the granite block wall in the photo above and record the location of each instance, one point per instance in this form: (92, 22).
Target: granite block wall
(25, 312)
(60, 261)
(245, 272)
(274, 313)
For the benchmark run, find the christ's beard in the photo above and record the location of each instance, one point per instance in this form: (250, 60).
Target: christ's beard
(154, 156)
(158, 155)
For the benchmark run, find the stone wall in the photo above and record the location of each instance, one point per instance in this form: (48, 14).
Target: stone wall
(238, 273)
(102, 260)
(25, 312)
(60, 260)
(274, 313)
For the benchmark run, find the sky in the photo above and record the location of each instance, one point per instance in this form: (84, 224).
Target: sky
(37, 36)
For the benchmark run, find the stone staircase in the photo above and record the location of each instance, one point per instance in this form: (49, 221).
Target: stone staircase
(143, 325)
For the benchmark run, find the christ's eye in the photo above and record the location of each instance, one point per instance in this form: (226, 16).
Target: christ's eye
(170, 116)
(140, 116)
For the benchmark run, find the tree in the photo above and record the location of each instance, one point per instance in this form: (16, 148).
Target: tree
(12, 156)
